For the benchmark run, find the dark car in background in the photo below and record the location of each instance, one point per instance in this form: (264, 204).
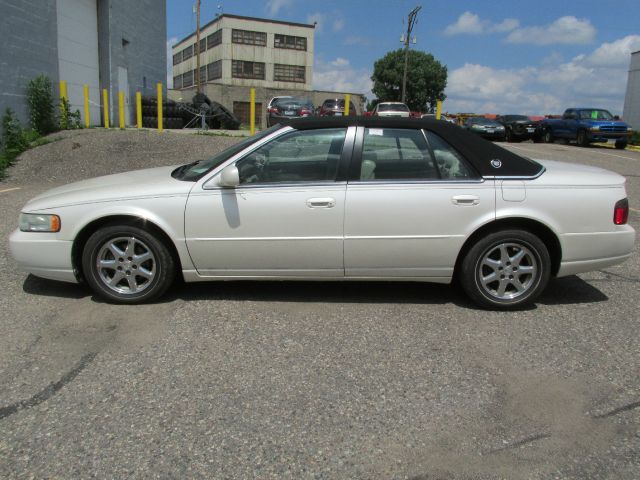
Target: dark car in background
(335, 107)
(485, 127)
(519, 128)
(288, 107)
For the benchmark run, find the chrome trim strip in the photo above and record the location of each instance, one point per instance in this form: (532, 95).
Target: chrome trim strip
(346, 237)
(507, 177)
(240, 188)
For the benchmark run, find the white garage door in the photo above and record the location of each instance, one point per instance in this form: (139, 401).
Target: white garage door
(78, 53)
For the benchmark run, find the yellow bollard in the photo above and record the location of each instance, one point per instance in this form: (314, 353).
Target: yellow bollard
(159, 87)
(87, 118)
(252, 112)
(347, 101)
(121, 109)
(63, 89)
(438, 109)
(105, 107)
(139, 109)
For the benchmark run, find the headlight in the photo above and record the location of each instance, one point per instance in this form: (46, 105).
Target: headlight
(36, 222)
(595, 128)
(499, 128)
(629, 129)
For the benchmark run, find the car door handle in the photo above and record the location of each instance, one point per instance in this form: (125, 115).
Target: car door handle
(321, 202)
(465, 200)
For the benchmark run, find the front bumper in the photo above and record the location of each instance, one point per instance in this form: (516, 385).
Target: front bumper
(43, 255)
(606, 136)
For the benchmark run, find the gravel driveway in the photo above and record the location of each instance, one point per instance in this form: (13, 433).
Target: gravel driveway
(311, 380)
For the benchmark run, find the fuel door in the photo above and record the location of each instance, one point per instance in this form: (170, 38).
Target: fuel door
(513, 191)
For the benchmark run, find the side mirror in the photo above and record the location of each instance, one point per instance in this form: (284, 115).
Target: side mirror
(230, 177)
(616, 117)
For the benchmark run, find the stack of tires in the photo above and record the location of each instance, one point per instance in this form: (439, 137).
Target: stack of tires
(171, 113)
(218, 116)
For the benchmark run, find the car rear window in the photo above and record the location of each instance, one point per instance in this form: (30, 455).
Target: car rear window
(393, 107)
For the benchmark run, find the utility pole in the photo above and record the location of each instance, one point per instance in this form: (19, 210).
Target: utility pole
(198, 46)
(413, 17)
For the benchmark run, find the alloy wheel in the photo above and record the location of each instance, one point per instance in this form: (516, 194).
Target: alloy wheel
(507, 271)
(126, 265)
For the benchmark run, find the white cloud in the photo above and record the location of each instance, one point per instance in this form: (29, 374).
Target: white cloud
(339, 76)
(319, 19)
(565, 30)
(614, 54)
(274, 6)
(471, 24)
(338, 24)
(356, 40)
(170, 43)
(590, 79)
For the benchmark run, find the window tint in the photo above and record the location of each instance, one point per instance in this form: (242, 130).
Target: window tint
(300, 156)
(449, 161)
(396, 154)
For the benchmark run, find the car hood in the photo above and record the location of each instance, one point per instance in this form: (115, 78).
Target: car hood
(573, 174)
(150, 182)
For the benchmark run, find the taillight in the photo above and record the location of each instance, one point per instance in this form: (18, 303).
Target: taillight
(621, 212)
(305, 112)
(273, 110)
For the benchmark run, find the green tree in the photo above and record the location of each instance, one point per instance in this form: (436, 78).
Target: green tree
(426, 79)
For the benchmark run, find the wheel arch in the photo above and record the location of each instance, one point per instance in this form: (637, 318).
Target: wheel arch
(83, 235)
(542, 231)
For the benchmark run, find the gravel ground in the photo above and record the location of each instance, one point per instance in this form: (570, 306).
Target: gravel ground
(311, 380)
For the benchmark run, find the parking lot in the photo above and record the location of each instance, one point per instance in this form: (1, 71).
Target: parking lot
(311, 380)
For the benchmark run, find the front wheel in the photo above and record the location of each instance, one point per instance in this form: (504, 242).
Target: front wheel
(125, 264)
(506, 269)
(547, 137)
(583, 140)
(621, 145)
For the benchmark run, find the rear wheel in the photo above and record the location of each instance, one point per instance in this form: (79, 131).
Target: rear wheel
(506, 269)
(547, 137)
(125, 264)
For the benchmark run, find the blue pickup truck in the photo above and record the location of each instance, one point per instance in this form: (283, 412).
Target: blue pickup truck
(585, 126)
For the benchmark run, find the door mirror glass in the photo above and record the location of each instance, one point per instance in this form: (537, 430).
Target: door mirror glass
(229, 177)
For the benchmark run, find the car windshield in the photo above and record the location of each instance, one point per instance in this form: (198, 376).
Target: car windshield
(515, 118)
(192, 172)
(393, 107)
(284, 102)
(595, 115)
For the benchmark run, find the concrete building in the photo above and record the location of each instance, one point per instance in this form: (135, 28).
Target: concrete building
(631, 112)
(239, 53)
(105, 44)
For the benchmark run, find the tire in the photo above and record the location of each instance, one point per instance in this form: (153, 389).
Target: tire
(494, 255)
(583, 140)
(621, 145)
(141, 279)
(547, 136)
(508, 136)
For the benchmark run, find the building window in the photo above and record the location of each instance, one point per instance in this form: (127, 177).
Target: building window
(203, 45)
(177, 58)
(187, 79)
(242, 110)
(177, 82)
(289, 41)
(214, 39)
(240, 69)
(249, 38)
(288, 73)
(187, 52)
(214, 70)
(203, 74)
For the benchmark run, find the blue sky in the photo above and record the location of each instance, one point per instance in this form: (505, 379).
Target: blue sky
(532, 57)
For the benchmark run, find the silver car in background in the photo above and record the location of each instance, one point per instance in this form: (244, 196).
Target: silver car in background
(342, 198)
(391, 109)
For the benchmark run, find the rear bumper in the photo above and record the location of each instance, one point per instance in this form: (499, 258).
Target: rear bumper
(43, 255)
(585, 252)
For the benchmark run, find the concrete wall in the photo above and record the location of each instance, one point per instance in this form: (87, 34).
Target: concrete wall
(132, 38)
(228, 94)
(29, 48)
(631, 112)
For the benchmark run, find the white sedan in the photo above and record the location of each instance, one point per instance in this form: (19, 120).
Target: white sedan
(391, 109)
(358, 198)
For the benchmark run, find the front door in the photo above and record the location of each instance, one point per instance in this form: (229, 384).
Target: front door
(411, 204)
(285, 219)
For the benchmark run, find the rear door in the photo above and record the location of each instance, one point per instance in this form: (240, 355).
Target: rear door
(411, 202)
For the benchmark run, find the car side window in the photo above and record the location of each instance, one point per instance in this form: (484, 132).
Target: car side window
(298, 156)
(450, 164)
(396, 154)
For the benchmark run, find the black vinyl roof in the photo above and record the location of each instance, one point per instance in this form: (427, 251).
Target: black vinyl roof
(489, 159)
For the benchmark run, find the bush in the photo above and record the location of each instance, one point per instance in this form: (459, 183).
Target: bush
(69, 120)
(14, 140)
(41, 105)
(634, 139)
